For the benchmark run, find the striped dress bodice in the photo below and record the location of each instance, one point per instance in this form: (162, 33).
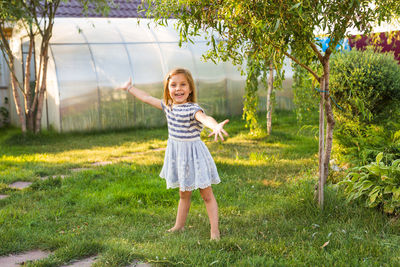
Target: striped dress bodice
(182, 125)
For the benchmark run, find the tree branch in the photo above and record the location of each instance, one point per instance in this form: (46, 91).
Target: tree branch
(303, 65)
(316, 51)
(6, 50)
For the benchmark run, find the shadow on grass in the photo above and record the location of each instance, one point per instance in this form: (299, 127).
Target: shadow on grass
(15, 143)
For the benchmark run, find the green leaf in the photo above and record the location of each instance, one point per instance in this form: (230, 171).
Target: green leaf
(388, 208)
(379, 158)
(388, 189)
(295, 6)
(396, 163)
(372, 198)
(396, 193)
(374, 169)
(374, 190)
(354, 176)
(277, 25)
(366, 184)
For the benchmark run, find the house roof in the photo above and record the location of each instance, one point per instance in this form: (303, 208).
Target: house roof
(120, 9)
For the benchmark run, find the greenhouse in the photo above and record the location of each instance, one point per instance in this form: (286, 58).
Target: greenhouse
(90, 57)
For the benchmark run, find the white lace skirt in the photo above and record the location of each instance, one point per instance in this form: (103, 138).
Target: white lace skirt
(188, 165)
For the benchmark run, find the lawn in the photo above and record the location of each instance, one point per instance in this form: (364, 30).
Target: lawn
(121, 211)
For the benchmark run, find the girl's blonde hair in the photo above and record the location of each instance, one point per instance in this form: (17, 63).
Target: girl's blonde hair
(192, 96)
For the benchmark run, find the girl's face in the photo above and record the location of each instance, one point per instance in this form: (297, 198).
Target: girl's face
(179, 88)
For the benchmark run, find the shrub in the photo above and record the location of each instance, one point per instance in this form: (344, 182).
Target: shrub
(366, 84)
(366, 87)
(376, 183)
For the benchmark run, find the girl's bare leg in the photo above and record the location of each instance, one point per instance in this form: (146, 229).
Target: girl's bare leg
(183, 210)
(212, 210)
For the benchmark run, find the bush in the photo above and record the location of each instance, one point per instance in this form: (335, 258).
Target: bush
(376, 183)
(365, 84)
(366, 87)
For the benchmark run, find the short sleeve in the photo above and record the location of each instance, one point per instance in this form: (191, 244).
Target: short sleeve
(163, 106)
(195, 109)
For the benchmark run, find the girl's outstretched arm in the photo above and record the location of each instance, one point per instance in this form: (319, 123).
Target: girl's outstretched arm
(210, 122)
(140, 94)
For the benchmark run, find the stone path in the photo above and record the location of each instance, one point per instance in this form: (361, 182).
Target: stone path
(21, 258)
(4, 196)
(139, 264)
(82, 263)
(62, 176)
(16, 260)
(20, 185)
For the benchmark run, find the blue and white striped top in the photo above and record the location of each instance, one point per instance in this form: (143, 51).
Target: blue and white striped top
(182, 125)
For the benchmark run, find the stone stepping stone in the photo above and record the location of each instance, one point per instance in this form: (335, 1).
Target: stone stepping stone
(3, 197)
(19, 259)
(139, 264)
(102, 163)
(143, 265)
(82, 263)
(62, 176)
(20, 185)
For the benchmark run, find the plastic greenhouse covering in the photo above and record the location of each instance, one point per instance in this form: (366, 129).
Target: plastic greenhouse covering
(89, 58)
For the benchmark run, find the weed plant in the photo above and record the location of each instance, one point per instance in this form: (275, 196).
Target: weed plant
(120, 212)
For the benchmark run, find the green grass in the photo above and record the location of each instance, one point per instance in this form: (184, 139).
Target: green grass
(121, 211)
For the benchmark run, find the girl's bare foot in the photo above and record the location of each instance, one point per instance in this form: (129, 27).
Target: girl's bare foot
(215, 236)
(175, 229)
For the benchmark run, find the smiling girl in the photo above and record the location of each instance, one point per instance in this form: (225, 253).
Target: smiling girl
(188, 163)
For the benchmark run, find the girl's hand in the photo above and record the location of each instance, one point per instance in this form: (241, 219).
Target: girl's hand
(218, 130)
(126, 85)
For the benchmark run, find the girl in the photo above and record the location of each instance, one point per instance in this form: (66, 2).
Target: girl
(188, 163)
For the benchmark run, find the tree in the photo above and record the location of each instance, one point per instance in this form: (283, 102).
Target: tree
(36, 18)
(272, 29)
(263, 69)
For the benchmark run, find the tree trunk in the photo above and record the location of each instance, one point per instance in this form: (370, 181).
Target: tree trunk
(330, 123)
(14, 85)
(269, 93)
(42, 80)
(325, 150)
(41, 95)
(29, 113)
(321, 180)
